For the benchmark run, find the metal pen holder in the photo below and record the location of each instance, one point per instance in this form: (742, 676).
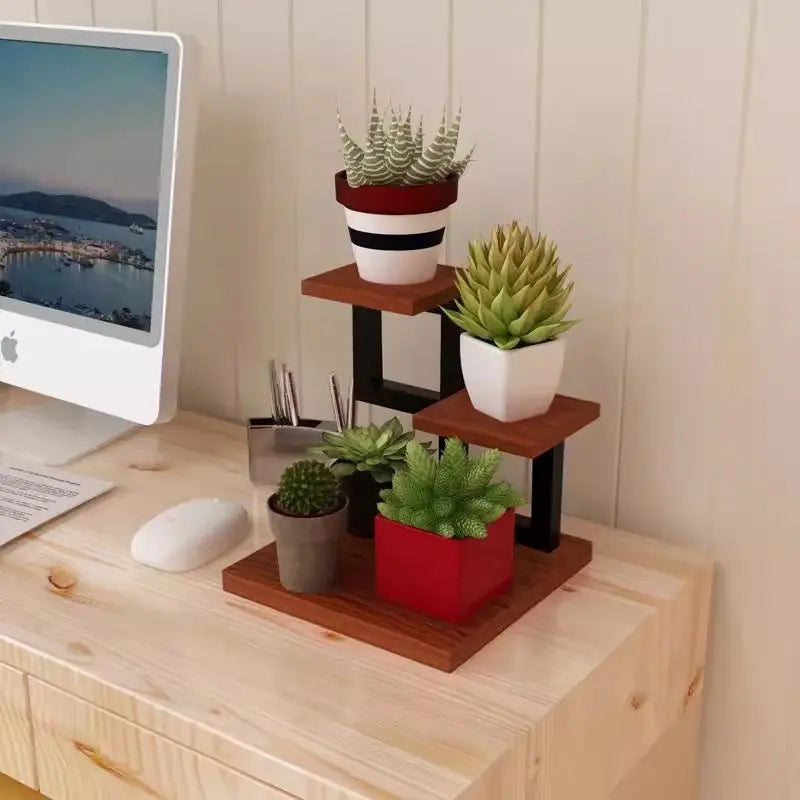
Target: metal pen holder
(271, 448)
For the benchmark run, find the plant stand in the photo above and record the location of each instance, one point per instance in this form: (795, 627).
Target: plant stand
(449, 412)
(543, 560)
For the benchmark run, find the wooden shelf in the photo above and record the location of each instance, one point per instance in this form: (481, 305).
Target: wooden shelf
(354, 609)
(455, 416)
(344, 286)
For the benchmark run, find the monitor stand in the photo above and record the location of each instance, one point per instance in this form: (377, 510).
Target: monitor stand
(53, 433)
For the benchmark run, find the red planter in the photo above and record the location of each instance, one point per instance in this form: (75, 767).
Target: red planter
(445, 578)
(423, 198)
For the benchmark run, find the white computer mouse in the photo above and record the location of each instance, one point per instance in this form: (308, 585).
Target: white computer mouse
(191, 534)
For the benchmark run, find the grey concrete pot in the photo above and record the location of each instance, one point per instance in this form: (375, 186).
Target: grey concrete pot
(308, 548)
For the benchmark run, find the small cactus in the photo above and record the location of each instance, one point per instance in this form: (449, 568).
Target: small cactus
(308, 489)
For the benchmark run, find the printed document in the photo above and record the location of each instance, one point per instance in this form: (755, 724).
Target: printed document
(31, 495)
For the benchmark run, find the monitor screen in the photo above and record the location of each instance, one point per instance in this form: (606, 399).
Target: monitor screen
(81, 154)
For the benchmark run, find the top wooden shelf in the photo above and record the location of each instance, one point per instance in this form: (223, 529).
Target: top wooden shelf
(344, 286)
(455, 416)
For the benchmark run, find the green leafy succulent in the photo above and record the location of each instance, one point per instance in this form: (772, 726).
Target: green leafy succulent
(377, 450)
(454, 497)
(513, 293)
(395, 151)
(307, 489)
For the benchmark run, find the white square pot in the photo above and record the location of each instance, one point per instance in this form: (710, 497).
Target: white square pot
(510, 385)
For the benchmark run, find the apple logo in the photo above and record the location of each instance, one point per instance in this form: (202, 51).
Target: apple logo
(8, 348)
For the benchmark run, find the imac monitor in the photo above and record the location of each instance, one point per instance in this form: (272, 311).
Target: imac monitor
(96, 140)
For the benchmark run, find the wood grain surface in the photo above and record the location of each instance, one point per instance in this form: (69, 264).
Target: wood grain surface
(344, 285)
(455, 416)
(355, 609)
(16, 742)
(603, 667)
(89, 754)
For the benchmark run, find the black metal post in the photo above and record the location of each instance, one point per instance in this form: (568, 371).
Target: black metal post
(450, 377)
(542, 531)
(367, 352)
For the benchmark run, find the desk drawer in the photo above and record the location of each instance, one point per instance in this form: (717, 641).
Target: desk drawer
(16, 740)
(84, 753)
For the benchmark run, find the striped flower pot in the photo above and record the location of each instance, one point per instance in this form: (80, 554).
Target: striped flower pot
(396, 231)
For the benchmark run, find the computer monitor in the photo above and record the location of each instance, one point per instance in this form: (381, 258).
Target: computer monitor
(96, 151)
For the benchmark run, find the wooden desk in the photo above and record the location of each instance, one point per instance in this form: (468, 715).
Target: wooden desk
(120, 682)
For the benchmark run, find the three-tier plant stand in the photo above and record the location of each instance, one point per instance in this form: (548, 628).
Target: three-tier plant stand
(545, 557)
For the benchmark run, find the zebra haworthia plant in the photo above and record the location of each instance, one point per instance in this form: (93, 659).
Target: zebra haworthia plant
(513, 291)
(395, 152)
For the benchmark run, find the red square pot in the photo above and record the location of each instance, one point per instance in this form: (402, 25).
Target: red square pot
(445, 578)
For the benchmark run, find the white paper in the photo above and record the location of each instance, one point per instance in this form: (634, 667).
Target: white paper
(31, 495)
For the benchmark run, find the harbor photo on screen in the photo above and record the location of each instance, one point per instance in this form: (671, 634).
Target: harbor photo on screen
(80, 158)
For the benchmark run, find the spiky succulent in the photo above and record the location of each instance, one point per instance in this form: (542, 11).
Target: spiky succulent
(513, 293)
(377, 450)
(307, 489)
(395, 151)
(454, 497)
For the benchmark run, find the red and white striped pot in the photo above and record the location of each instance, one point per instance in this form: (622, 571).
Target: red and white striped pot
(396, 231)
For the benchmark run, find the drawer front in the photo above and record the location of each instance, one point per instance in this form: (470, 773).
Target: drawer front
(16, 739)
(83, 753)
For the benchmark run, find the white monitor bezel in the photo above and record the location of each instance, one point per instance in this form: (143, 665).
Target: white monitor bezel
(106, 367)
(118, 40)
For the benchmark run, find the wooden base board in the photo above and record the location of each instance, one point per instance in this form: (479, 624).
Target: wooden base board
(354, 609)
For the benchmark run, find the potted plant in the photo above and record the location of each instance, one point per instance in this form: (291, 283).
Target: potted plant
(365, 460)
(307, 516)
(444, 540)
(396, 193)
(513, 300)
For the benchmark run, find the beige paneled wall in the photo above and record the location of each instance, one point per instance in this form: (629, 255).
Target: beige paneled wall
(588, 115)
(657, 141)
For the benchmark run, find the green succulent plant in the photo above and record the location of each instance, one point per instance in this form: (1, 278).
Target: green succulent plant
(377, 450)
(454, 497)
(308, 489)
(513, 291)
(395, 151)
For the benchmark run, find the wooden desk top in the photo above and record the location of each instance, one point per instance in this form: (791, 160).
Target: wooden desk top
(560, 706)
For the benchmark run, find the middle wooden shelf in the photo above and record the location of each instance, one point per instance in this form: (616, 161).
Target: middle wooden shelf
(529, 438)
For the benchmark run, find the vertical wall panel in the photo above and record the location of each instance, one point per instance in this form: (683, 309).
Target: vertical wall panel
(132, 14)
(66, 12)
(259, 263)
(754, 699)
(208, 375)
(329, 71)
(689, 140)
(499, 186)
(587, 127)
(18, 10)
(408, 63)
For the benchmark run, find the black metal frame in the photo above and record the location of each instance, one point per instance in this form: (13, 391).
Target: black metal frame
(369, 384)
(540, 531)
